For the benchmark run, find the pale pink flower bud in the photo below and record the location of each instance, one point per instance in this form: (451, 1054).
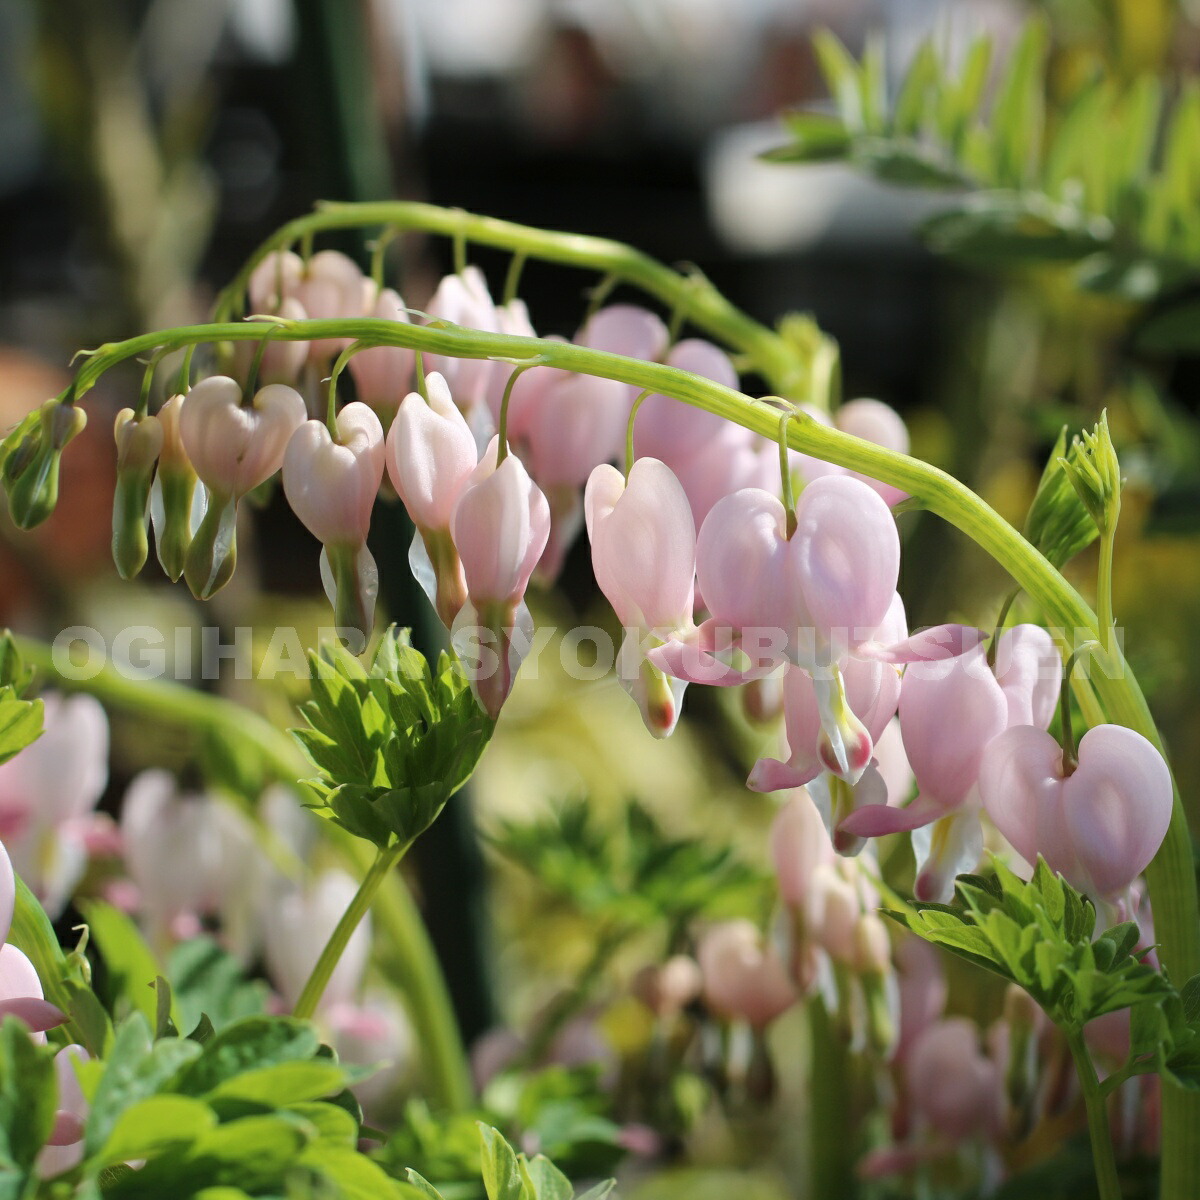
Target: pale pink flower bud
(953, 1084)
(383, 374)
(234, 447)
(744, 979)
(47, 794)
(64, 1148)
(274, 280)
(282, 359)
(872, 948)
(799, 845)
(668, 429)
(465, 300)
(330, 285)
(668, 989)
(1100, 825)
(833, 913)
(330, 485)
(500, 525)
(1029, 671)
(430, 454)
(874, 421)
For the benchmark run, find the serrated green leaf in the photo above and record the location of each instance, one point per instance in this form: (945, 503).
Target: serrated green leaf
(286, 1082)
(136, 1069)
(21, 723)
(152, 1126)
(208, 981)
(131, 965)
(27, 1098)
(251, 1044)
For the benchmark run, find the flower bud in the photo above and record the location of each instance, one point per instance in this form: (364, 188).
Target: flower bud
(1058, 523)
(743, 978)
(173, 494)
(1092, 469)
(139, 441)
(31, 466)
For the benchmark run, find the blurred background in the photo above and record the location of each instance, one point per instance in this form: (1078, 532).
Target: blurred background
(147, 146)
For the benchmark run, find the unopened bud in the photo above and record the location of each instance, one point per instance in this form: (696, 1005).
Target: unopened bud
(139, 440)
(1092, 469)
(31, 468)
(872, 953)
(667, 989)
(172, 496)
(1058, 524)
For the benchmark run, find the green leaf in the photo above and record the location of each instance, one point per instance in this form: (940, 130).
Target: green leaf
(816, 137)
(251, 1044)
(284, 1083)
(600, 1191)
(27, 1098)
(136, 1069)
(14, 672)
(131, 965)
(842, 75)
(21, 722)
(501, 1174)
(208, 981)
(544, 1181)
(423, 1185)
(1019, 112)
(149, 1127)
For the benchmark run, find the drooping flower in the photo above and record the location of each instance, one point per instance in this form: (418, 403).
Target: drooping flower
(331, 486)
(47, 796)
(1098, 825)
(464, 300)
(430, 456)
(383, 374)
(20, 988)
(644, 559)
(233, 448)
(500, 525)
(744, 979)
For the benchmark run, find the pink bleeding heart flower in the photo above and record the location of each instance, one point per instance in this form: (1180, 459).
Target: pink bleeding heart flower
(644, 558)
(233, 449)
(1028, 668)
(744, 979)
(953, 1085)
(48, 794)
(331, 285)
(1098, 825)
(64, 1148)
(430, 456)
(465, 300)
(383, 374)
(331, 486)
(274, 280)
(20, 987)
(949, 711)
(799, 845)
(500, 525)
(189, 857)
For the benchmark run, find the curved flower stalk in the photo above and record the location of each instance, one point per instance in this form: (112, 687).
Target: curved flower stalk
(233, 448)
(500, 525)
(644, 558)
(331, 484)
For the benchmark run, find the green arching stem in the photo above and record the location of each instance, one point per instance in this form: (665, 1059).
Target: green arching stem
(1107, 1180)
(412, 963)
(185, 371)
(460, 250)
(597, 296)
(633, 412)
(256, 364)
(378, 257)
(419, 376)
(318, 980)
(1171, 875)
(707, 308)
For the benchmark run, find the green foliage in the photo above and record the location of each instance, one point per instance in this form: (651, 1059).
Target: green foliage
(509, 1175)
(20, 720)
(631, 875)
(1039, 936)
(257, 1110)
(1058, 523)
(393, 742)
(208, 982)
(1109, 184)
(559, 1109)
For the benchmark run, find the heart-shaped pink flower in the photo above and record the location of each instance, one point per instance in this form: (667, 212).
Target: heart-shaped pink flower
(235, 447)
(1099, 826)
